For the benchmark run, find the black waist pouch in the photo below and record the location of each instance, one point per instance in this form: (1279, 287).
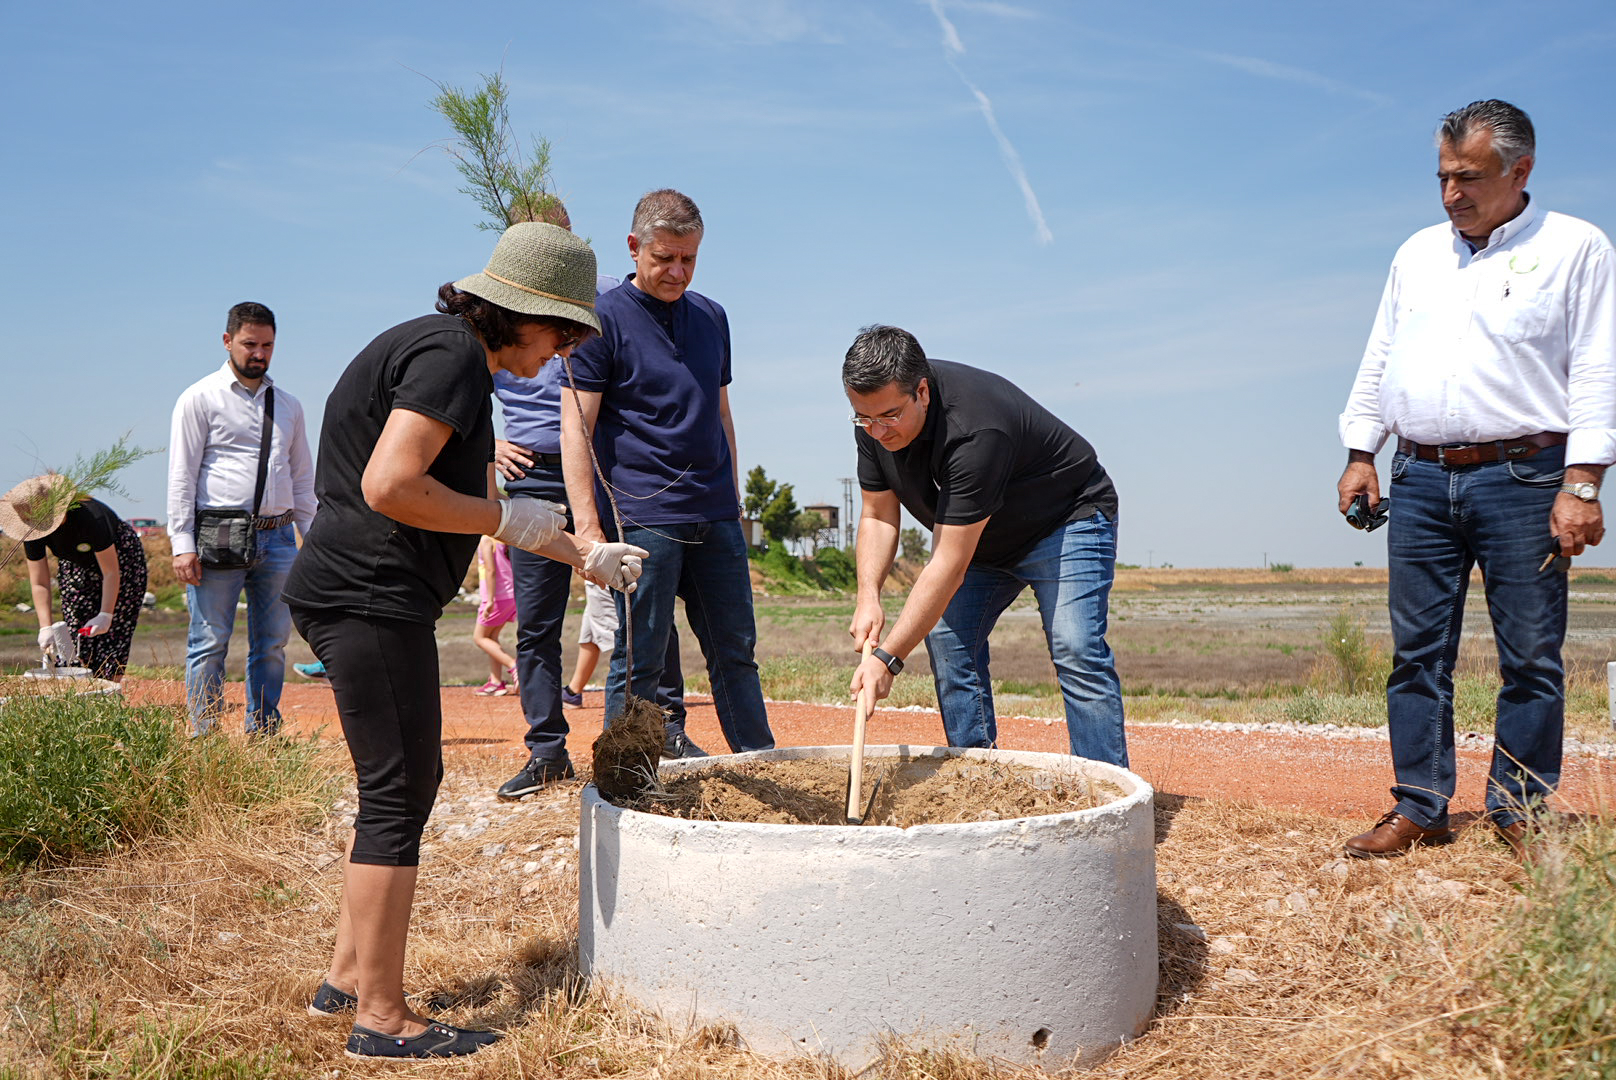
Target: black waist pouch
(226, 539)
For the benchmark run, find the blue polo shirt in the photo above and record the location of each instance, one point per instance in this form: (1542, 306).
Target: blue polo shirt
(531, 408)
(659, 368)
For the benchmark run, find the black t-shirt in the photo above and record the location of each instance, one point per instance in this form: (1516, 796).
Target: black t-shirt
(989, 450)
(355, 559)
(88, 528)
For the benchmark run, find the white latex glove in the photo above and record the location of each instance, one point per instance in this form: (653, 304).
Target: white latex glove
(46, 638)
(529, 523)
(618, 565)
(96, 626)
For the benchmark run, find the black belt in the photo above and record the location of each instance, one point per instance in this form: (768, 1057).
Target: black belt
(275, 522)
(1482, 453)
(542, 459)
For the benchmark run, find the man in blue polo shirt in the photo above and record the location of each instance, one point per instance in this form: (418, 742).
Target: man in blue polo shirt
(529, 460)
(654, 394)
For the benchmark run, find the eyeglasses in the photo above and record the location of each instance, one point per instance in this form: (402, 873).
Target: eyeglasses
(871, 423)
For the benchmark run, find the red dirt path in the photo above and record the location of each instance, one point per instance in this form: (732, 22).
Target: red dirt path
(1339, 777)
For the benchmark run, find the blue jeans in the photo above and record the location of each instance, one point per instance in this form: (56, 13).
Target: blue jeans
(1070, 572)
(269, 623)
(542, 588)
(1443, 522)
(704, 564)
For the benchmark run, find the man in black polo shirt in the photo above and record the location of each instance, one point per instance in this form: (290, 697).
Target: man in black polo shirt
(1013, 498)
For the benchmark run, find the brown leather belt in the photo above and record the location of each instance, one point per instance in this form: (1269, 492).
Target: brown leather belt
(262, 522)
(1484, 452)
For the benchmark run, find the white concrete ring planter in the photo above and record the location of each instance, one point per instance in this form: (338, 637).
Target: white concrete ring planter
(1030, 939)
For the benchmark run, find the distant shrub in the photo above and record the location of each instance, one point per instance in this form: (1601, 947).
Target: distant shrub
(1281, 567)
(836, 569)
(1360, 664)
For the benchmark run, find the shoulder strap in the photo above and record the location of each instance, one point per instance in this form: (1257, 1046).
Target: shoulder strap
(263, 447)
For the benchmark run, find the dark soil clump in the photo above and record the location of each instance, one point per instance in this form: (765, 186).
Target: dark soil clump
(626, 754)
(912, 791)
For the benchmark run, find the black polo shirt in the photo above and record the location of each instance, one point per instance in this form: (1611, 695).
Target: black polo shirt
(355, 559)
(987, 450)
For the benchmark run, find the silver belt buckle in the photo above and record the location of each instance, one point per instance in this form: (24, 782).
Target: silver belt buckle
(1442, 456)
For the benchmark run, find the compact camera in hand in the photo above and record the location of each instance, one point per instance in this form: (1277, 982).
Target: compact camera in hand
(1359, 516)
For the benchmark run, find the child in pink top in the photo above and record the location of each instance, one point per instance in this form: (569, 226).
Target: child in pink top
(496, 606)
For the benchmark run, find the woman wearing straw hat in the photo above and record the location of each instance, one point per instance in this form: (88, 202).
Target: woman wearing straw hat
(404, 481)
(100, 567)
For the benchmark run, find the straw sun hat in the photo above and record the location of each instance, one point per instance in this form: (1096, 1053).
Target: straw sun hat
(539, 269)
(35, 508)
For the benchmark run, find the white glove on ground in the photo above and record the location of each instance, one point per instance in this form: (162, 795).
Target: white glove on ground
(46, 638)
(529, 523)
(97, 626)
(618, 565)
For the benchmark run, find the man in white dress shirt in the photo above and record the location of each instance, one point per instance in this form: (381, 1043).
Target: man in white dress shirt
(213, 462)
(1493, 362)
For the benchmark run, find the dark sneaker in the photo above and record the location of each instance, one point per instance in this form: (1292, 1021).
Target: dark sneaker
(329, 1001)
(676, 744)
(534, 775)
(437, 1041)
(570, 698)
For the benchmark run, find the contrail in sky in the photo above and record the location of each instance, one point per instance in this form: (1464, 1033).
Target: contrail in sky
(953, 47)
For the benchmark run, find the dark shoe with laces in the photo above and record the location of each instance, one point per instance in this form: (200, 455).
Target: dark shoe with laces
(569, 697)
(437, 1041)
(676, 744)
(329, 1001)
(534, 775)
(1395, 834)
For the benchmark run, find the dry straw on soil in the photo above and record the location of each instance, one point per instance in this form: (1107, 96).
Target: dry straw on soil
(1278, 959)
(914, 791)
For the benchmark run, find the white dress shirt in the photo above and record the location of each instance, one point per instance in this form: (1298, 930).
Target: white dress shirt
(213, 455)
(1516, 338)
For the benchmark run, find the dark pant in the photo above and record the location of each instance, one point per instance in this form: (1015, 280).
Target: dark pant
(542, 587)
(704, 564)
(384, 676)
(1443, 522)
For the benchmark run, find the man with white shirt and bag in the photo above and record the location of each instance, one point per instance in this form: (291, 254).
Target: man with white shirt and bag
(238, 444)
(1493, 363)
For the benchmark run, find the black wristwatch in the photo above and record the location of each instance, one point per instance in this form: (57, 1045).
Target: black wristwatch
(893, 664)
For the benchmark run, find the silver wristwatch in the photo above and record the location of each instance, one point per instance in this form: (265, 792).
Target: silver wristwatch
(1585, 491)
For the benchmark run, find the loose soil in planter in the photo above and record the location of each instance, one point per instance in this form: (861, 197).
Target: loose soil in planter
(914, 791)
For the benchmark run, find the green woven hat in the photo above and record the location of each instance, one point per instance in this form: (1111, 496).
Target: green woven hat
(539, 269)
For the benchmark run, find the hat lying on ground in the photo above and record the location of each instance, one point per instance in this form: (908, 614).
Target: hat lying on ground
(35, 507)
(539, 269)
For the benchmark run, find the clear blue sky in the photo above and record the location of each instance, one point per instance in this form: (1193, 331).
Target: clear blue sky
(1170, 222)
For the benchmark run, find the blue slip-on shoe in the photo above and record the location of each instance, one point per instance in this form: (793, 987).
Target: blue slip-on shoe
(570, 698)
(315, 670)
(329, 1001)
(437, 1041)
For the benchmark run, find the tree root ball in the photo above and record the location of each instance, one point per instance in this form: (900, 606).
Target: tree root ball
(627, 752)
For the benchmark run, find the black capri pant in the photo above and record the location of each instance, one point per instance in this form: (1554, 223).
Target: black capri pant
(384, 676)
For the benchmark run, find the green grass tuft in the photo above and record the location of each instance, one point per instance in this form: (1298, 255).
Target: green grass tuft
(81, 775)
(173, 1048)
(1556, 969)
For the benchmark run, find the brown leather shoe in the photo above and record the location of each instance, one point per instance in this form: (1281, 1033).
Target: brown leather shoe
(1514, 834)
(1394, 834)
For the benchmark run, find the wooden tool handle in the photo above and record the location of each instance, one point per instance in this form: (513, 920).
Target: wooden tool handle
(855, 783)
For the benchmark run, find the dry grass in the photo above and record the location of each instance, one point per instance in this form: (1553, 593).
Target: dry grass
(1309, 965)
